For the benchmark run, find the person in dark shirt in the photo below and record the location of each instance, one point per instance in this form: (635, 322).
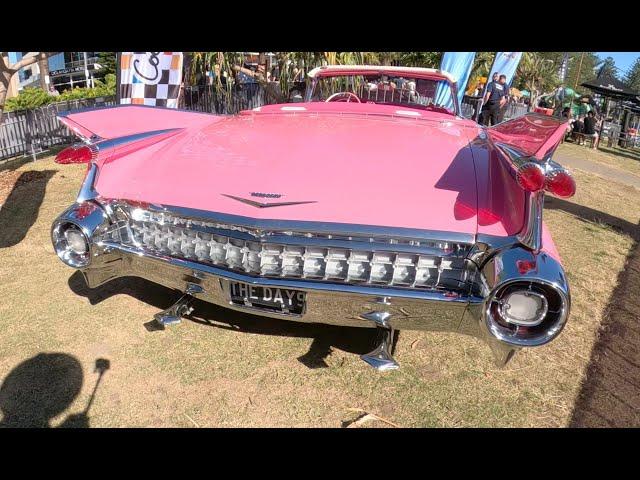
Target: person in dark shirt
(578, 127)
(590, 127)
(495, 97)
(590, 124)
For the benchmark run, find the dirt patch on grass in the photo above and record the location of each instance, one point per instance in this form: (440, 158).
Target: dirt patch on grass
(610, 395)
(229, 369)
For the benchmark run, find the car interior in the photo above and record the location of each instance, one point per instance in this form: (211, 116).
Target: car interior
(422, 93)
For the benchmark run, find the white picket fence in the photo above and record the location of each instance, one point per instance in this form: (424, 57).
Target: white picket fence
(29, 132)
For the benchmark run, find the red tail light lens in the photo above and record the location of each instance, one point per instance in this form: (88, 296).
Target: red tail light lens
(75, 155)
(66, 155)
(82, 155)
(531, 177)
(525, 266)
(561, 184)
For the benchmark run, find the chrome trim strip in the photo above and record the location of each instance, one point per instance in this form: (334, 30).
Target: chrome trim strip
(87, 190)
(531, 233)
(488, 245)
(321, 242)
(118, 141)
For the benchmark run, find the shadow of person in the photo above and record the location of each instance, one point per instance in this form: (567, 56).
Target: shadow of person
(324, 337)
(20, 210)
(39, 389)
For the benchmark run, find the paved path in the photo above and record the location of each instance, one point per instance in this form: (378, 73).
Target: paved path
(609, 173)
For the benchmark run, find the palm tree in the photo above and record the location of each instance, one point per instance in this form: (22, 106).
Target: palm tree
(421, 59)
(537, 75)
(481, 66)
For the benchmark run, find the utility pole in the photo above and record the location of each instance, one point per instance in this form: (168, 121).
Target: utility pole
(575, 85)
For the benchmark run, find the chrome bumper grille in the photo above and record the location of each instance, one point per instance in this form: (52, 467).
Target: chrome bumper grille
(426, 264)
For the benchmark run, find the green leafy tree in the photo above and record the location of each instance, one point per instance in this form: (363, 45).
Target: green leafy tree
(632, 78)
(107, 62)
(226, 65)
(8, 70)
(481, 67)
(582, 68)
(31, 98)
(28, 99)
(608, 67)
(536, 74)
(421, 59)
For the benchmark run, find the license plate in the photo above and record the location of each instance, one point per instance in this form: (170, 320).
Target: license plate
(280, 300)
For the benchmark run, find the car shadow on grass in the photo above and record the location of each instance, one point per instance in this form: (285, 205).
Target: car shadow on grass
(610, 391)
(42, 387)
(325, 337)
(20, 210)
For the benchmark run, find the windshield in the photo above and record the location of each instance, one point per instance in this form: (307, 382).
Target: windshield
(422, 93)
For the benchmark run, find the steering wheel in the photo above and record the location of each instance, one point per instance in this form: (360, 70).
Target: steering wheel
(331, 97)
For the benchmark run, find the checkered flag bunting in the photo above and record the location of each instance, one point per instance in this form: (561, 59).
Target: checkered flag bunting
(150, 78)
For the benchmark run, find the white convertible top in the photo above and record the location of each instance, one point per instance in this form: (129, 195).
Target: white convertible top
(330, 70)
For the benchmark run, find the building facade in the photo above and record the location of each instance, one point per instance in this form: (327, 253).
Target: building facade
(67, 70)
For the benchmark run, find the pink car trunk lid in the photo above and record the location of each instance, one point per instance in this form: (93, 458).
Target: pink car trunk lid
(355, 169)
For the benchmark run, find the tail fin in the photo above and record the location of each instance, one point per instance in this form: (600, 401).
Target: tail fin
(112, 122)
(533, 135)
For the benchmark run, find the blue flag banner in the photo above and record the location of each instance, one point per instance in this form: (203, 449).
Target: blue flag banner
(506, 64)
(459, 65)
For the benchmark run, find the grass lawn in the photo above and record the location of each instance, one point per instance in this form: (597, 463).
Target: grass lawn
(230, 369)
(627, 159)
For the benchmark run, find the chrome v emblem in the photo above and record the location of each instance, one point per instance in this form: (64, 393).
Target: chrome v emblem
(253, 203)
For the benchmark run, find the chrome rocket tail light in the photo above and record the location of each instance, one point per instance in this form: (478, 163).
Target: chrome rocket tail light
(73, 230)
(528, 301)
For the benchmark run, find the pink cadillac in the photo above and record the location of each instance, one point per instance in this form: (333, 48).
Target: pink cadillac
(371, 204)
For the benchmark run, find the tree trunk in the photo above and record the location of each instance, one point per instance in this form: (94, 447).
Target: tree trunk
(7, 71)
(43, 66)
(5, 79)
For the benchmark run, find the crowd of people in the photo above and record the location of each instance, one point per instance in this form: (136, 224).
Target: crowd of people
(582, 126)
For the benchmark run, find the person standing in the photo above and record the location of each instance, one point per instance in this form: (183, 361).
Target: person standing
(495, 98)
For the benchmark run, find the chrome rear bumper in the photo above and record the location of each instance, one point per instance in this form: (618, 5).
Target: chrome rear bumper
(342, 305)
(339, 303)
(325, 302)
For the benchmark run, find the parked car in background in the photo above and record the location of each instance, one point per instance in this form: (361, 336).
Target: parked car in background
(373, 203)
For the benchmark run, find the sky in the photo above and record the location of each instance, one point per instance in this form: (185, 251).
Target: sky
(623, 60)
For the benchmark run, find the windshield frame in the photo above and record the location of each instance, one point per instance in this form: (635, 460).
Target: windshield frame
(452, 85)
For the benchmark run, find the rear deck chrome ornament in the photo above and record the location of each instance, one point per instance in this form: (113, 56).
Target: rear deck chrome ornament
(266, 195)
(256, 204)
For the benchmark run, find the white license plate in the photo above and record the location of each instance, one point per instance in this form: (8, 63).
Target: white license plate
(281, 300)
